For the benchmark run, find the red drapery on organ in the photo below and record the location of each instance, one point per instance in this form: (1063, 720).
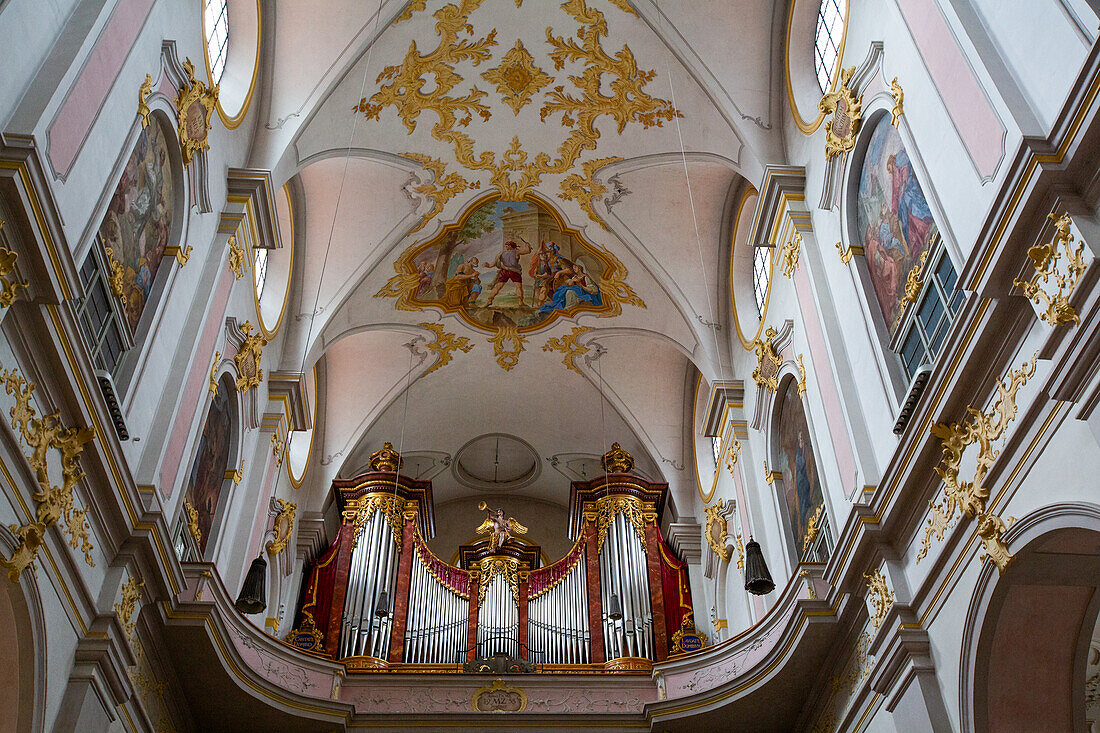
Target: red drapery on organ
(316, 600)
(674, 582)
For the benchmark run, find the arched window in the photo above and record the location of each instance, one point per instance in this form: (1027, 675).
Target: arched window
(802, 494)
(259, 271)
(830, 28)
(217, 37)
(761, 266)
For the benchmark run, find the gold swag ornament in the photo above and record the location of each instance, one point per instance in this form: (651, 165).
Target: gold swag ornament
(248, 358)
(846, 111)
(53, 503)
(1045, 258)
(194, 107)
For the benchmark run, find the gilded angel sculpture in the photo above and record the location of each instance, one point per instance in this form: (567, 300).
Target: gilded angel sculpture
(497, 527)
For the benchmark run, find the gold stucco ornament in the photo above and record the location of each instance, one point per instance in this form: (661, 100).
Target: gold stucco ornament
(1046, 259)
(194, 107)
(846, 110)
(490, 567)
(766, 373)
(385, 459)
(913, 283)
(53, 503)
(9, 284)
(445, 344)
(788, 255)
(617, 460)
(236, 258)
(131, 594)
(517, 78)
(193, 521)
(283, 527)
(568, 346)
(143, 107)
(716, 532)
(247, 359)
(880, 597)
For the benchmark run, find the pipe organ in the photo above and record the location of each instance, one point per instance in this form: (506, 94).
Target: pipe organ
(379, 599)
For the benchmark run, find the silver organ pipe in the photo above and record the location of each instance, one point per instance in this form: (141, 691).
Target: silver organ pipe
(557, 617)
(373, 569)
(437, 619)
(623, 572)
(498, 620)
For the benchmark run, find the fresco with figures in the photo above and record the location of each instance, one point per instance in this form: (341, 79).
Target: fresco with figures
(509, 264)
(211, 461)
(894, 220)
(797, 462)
(138, 221)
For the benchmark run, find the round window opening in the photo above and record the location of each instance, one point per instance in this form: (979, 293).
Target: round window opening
(217, 37)
(830, 29)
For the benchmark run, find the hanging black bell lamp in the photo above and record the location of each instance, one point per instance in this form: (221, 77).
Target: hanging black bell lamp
(253, 597)
(615, 613)
(758, 580)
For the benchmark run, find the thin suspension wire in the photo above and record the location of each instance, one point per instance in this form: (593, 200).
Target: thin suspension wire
(695, 221)
(339, 194)
(404, 422)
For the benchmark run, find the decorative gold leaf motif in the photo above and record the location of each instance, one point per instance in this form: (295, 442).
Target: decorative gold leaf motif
(913, 282)
(53, 503)
(490, 567)
(637, 512)
(624, 6)
(846, 110)
(247, 359)
(507, 357)
(847, 254)
(236, 258)
(283, 527)
(899, 97)
(445, 344)
(769, 475)
(812, 528)
(732, 454)
(441, 190)
(181, 254)
(402, 286)
(278, 446)
(716, 519)
(880, 597)
(517, 79)
(969, 497)
(740, 554)
(9, 286)
(766, 373)
(214, 374)
(359, 511)
(414, 6)
(788, 255)
(194, 107)
(131, 594)
(568, 346)
(584, 188)
(143, 108)
(802, 377)
(192, 521)
(117, 277)
(1045, 258)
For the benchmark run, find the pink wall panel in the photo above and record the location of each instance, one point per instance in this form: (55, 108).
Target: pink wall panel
(971, 112)
(77, 114)
(197, 384)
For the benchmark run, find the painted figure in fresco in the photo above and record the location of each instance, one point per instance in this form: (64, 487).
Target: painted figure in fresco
(464, 286)
(802, 480)
(576, 282)
(913, 216)
(545, 264)
(211, 460)
(508, 269)
(802, 492)
(425, 271)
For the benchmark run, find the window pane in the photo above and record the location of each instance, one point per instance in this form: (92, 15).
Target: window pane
(830, 26)
(217, 37)
(930, 310)
(761, 261)
(716, 449)
(912, 353)
(259, 271)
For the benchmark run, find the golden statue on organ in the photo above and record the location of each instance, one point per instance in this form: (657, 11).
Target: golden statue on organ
(499, 529)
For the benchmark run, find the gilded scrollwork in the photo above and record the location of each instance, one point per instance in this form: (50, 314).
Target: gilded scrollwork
(913, 283)
(766, 373)
(788, 255)
(733, 452)
(359, 512)
(507, 356)
(213, 388)
(801, 376)
(131, 594)
(846, 110)
(813, 527)
(568, 346)
(846, 254)
(899, 97)
(490, 567)
(195, 107)
(517, 78)
(1046, 259)
(637, 512)
(181, 254)
(143, 107)
(10, 285)
(116, 278)
(283, 526)
(54, 503)
(968, 498)
(444, 187)
(236, 258)
(716, 520)
(584, 188)
(193, 521)
(880, 597)
(278, 446)
(247, 359)
(445, 344)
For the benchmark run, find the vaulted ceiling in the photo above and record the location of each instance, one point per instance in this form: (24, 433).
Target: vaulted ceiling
(631, 126)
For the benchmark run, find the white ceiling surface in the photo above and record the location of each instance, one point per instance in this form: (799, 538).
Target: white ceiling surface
(319, 67)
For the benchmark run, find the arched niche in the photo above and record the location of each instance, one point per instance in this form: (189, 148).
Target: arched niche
(1012, 678)
(299, 448)
(215, 455)
(803, 92)
(23, 647)
(242, 66)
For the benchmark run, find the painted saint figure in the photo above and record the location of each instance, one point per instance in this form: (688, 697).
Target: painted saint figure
(464, 286)
(573, 280)
(508, 269)
(499, 529)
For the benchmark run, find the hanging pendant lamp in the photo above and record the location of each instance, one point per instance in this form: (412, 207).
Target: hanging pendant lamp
(253, 597)
(758, 580)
